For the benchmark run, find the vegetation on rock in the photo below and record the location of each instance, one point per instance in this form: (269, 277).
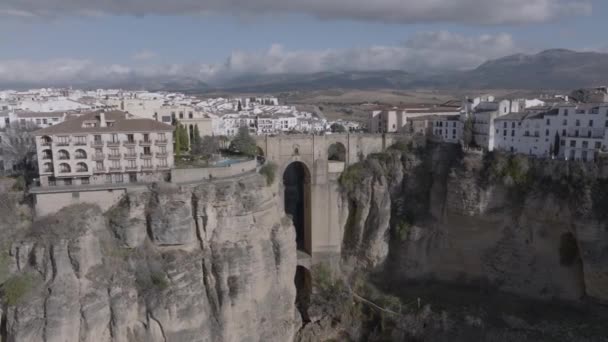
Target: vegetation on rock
(269, 170)
(16, 288)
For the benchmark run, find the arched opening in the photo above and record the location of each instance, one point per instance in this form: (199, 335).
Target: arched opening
(336, 152)
(296, 183)
(48, 167)
(303, 282)
(46, 140)
(63, 155)
(47, 154)
(80, 154)
(82, 167)
(65, 168)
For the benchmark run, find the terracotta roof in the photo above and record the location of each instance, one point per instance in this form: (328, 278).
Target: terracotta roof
(27, 114)
(122, 123)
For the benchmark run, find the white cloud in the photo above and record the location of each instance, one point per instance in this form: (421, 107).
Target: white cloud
(424, 51)
(400, 11)
(144, 55)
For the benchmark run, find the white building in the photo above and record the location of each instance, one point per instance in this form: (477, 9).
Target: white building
(52, 105)
(394, 120)
(104, 148)
(568, 131)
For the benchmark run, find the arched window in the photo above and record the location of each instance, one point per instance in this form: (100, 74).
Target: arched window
(80, 154)
(48, 167)
(64, 155)
(336, 152)
(82, 167)
(65, 168)
(47, 154)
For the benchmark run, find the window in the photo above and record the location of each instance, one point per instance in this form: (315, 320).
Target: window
(589, 134)
(80, 154)
(504, 133)
(132, 177)
(81, 140)
(82, 167)
(578, 123)
(547, 132)
(572, 143)
(190, 115)
(115, 164)
(65, 168)
(52, 181)
(67, 181)
(108, 179)
(166, 118)
(147, 162)
(85, 181)
(147, 150)
(590, 123)
(115, 138)
(564, 133)
(162, 162)
(584, 155)
(97, 138)
(163, 149)
(181, 115)
(585, 144)
(99, 166)
(118, 178)
(131, 164)
(598, 145)
(565, 112)
(505, 125)
(548, 122)
(130, 138)
(45, 121)
(147, 137)
(63, 140)
(513, 125)
(114, 152)
(512, 133)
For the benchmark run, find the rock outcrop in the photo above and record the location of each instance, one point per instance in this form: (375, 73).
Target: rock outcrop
(534, 228)
(210, 262)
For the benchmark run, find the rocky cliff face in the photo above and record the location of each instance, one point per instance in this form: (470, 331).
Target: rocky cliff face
(213, 262)
(528, 227)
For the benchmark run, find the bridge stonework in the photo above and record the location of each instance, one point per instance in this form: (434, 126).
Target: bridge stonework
(327, 214)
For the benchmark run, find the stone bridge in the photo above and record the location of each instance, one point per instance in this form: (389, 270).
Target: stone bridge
(308, 170)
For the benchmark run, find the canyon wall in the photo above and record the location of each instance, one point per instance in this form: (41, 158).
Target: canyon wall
(210, 262)
(529, 227)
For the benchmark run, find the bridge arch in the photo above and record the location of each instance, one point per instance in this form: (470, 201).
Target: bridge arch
(297, 202)
(336, 152)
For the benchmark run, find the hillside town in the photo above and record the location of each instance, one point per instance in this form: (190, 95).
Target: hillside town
(107, 139)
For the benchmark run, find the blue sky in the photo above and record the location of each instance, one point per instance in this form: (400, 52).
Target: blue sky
(285, 35)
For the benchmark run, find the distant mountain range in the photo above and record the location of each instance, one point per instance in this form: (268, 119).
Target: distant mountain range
(550, 69)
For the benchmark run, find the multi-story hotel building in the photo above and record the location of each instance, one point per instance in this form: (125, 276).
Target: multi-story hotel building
(104, 147)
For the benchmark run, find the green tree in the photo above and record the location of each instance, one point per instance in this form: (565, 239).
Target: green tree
(206, 147)
(196, 137)
(181, 139)
(337, 128)
(244, 143)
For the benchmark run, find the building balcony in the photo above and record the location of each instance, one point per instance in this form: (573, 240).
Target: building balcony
(46, 157)
(113, 143)
(130, 155)
(145, 156)
(147, 167)
(131, 168)
(161, 142)
(161, 154)
(82, 171)
(62, 144)
(102, 170)
(99, 156)
(114, 156)
(129, 143)
(80, 143)
(64, 158)
(97, 143)
(145, 142)
(80, 157)
(115, 169)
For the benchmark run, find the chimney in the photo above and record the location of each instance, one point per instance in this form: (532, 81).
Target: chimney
(102, 120)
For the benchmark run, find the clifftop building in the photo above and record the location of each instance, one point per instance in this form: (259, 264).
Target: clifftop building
(104, 148)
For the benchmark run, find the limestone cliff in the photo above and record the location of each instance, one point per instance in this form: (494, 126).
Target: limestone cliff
(534, 228)
(210, 262)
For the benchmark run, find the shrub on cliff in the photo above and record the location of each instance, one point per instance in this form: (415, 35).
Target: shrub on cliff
(17, 287)
(269, 171)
